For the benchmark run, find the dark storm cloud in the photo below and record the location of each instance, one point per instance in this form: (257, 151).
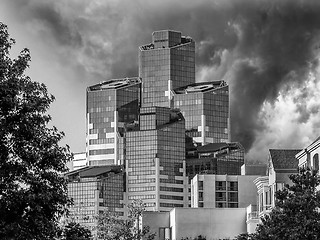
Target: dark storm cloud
(258, 47)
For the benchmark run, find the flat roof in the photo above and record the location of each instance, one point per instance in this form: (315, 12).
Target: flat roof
(200, 87)
(115, 83)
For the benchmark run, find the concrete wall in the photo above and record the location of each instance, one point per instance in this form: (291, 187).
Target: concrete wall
(210, 222)
(247, 190)
(156, 220)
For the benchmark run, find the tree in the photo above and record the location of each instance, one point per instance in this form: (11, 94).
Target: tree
(74, 231)
(296, 214)
(111, 226)
(33, 191)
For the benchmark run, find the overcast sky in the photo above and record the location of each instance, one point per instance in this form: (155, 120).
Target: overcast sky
(266, 50)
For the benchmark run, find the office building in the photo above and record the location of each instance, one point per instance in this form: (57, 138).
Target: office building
(111, 107)
(205, 107)
(164, 65)
(155, 155)
(94, 189)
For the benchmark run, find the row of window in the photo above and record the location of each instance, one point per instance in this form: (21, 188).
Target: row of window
(101, 151)
(135, 197)
(141, 189)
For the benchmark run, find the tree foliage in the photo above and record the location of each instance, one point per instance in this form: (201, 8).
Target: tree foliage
(111, 226)
(74, 231)
(296, 214)
(33, 193)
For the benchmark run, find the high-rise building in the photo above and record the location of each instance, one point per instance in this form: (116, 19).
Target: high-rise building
(205, 107)
(155, 159)
(111, 107)
(145, 123)
(164, 65)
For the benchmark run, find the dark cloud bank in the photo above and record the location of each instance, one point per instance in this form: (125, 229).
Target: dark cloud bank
(258, 47)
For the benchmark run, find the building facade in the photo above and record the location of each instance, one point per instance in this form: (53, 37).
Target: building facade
(215, 158)
(309, 157)
(111, 107)
(164, 65)
(155, 159)
(223, 191)
(205, 107)
(94, 189)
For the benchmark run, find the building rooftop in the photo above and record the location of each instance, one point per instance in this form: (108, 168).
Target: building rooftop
(95, 171)
(115, 83)
(166, 39)
(284, 158)
(200, 87)
(214, 147)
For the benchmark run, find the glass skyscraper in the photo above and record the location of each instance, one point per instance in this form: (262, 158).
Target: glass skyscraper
(155, 159)
(111, 107)
(142, 124)
(164, 65)
(205, 107)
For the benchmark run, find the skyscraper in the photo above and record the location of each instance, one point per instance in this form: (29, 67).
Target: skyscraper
(142, 123)
(164, 65)
(205, 107)
(155, 159)
(111, 106)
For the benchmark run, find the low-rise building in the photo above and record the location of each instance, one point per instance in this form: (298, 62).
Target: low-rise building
(223, 191)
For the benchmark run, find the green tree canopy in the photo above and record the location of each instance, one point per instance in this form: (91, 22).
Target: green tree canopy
(296, 214)
(33, 192)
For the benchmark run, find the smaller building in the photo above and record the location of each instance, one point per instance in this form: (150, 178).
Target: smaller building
(223, 191)
(215, 158)
(212, 223)
(93, 189)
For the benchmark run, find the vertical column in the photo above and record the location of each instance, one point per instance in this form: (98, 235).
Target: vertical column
(203, 129)
(115, 127)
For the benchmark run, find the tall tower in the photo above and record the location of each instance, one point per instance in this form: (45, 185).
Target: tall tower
(111, 107)
(155, 160)
(165, 64)
(205, 107)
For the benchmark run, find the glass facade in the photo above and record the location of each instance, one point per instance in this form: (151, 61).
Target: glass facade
(205, 107)
(93, 189)
(224, 158)
(155, 159)
(165, 64)
(111, 106)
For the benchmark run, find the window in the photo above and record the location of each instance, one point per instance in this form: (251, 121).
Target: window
(221, 196)
(200, 196)
(232, 186)
(221, 185)
(316, 161)
(200, 185)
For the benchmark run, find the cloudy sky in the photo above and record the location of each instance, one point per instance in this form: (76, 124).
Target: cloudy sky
(266, 50)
